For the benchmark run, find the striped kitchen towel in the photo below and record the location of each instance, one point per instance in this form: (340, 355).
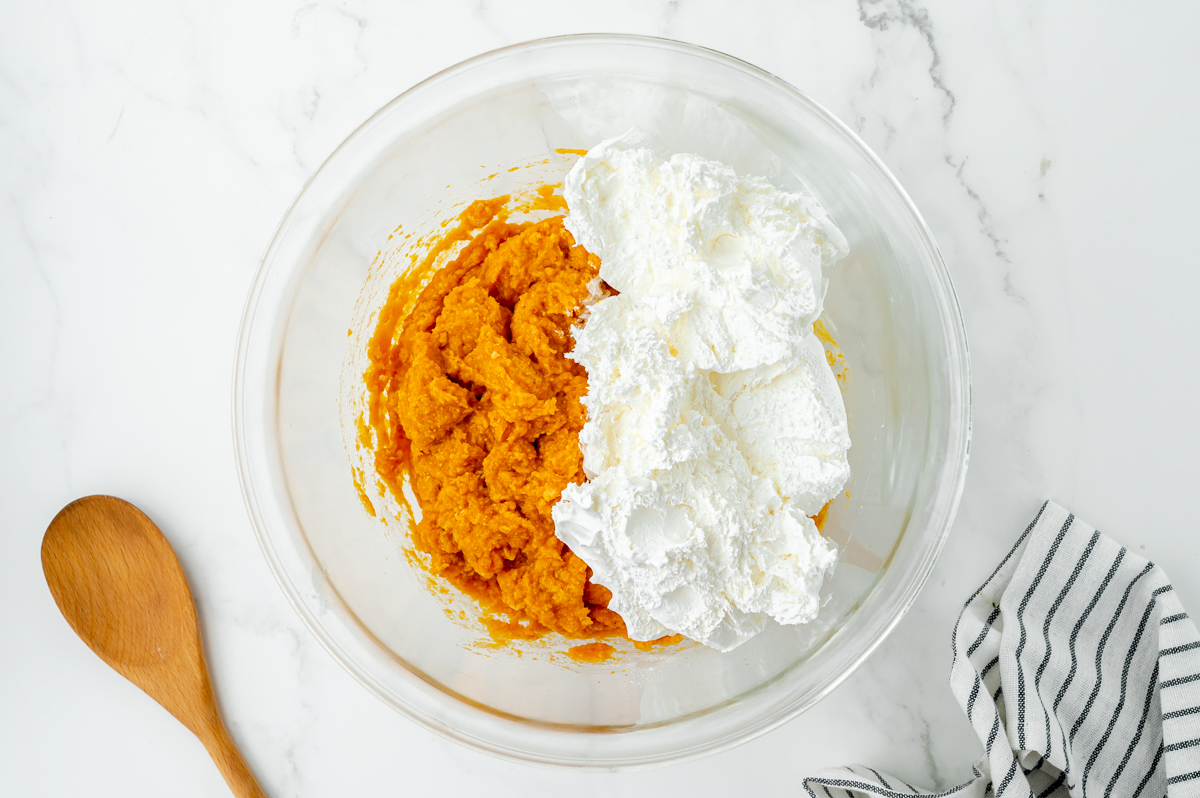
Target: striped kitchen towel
(1079, 670)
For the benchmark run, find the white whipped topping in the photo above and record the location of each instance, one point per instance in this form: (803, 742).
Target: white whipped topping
(715, 425)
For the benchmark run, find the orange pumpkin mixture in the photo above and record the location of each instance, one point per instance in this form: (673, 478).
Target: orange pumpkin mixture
(471, 395)
(591, 652)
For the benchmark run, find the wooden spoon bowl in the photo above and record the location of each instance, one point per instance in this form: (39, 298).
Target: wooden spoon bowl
(119, 584)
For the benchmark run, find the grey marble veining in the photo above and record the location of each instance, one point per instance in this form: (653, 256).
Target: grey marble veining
(147, 151)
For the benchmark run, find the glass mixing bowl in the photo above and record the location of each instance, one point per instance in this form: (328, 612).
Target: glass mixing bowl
(455, 138)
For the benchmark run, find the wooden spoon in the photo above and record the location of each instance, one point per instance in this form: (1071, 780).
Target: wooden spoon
(119, 584)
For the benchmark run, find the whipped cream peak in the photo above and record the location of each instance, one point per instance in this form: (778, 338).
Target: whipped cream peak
(715, 426)
(732, 266)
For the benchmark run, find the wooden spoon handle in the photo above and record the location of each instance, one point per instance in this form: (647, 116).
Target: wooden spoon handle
(228, 759)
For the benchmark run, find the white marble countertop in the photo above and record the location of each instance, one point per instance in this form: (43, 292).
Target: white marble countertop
(147, 151)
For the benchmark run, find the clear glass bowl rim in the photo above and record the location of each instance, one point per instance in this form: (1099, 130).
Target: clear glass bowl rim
(950, 488)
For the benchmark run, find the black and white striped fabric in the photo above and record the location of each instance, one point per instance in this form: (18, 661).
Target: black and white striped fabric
(1079, 670)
